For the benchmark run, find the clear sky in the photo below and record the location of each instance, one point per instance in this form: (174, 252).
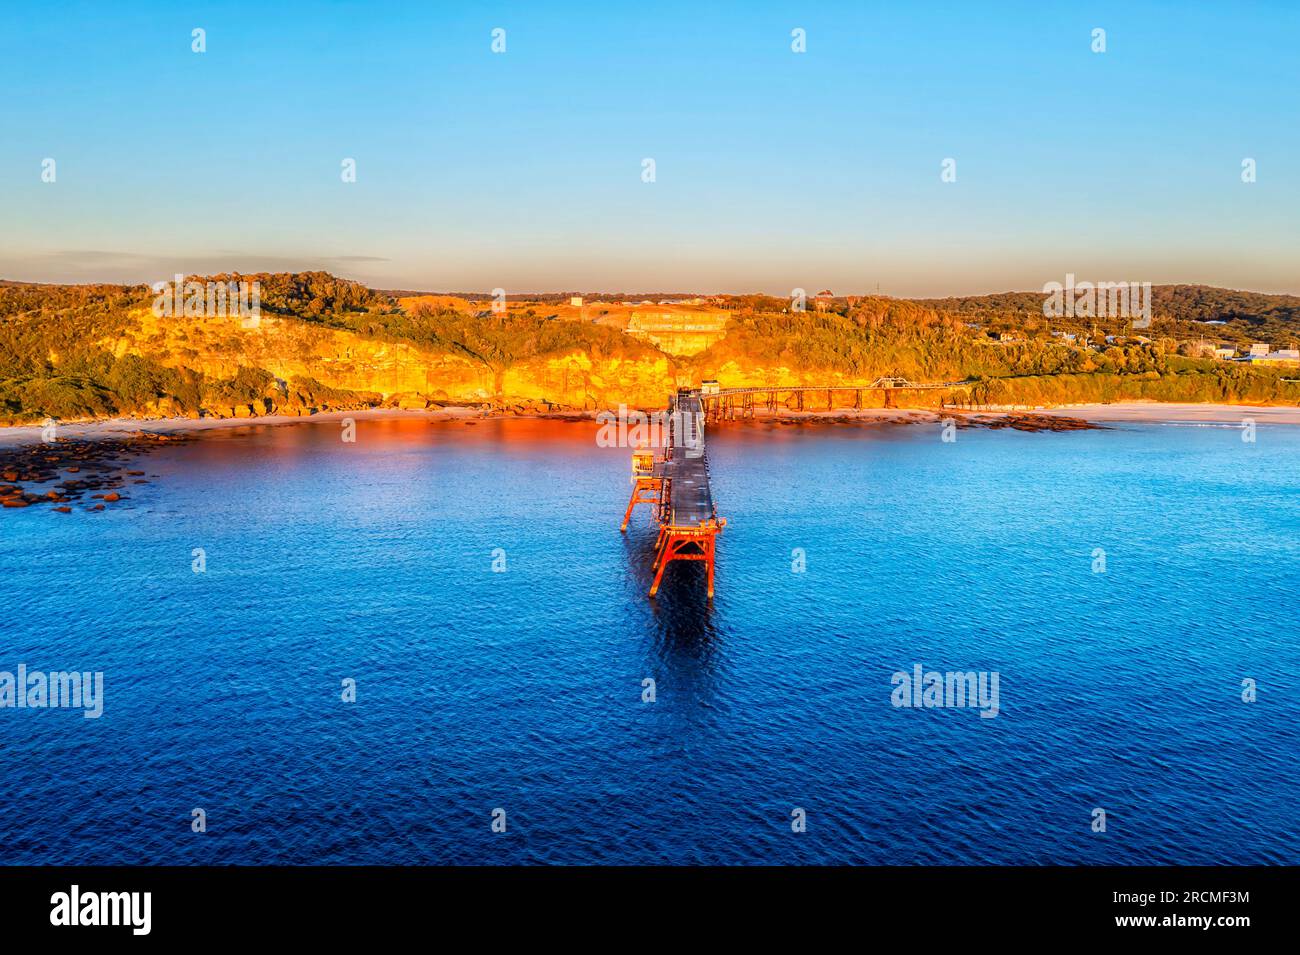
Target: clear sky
(774, 169)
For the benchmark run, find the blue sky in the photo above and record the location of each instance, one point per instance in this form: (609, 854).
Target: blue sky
(774, 170)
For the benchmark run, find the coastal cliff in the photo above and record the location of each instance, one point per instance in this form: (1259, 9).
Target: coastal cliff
(378, 372)
(319, 343)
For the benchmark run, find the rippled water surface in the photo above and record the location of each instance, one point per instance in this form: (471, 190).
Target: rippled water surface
(522, 690)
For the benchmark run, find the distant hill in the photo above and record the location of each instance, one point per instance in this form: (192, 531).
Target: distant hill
(89, 351)
(1181, 311)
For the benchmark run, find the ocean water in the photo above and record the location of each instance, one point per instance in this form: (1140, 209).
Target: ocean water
(522, 689)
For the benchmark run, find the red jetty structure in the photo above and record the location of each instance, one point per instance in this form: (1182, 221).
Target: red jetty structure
(677, 483)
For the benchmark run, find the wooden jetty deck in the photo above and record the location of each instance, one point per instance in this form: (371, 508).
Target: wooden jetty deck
(676, 481)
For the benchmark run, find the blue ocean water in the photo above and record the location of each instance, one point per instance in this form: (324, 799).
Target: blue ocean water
(522, 689)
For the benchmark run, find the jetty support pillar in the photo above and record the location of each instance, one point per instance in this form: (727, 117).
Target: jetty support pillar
(686, 543)
(647, 486)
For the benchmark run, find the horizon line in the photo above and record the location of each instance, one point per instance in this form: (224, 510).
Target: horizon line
(410, 292)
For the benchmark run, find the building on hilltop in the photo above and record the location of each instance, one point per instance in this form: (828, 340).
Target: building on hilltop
(1283, 356)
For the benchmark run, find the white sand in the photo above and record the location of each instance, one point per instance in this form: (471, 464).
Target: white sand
(29, 434)
(1178, 413)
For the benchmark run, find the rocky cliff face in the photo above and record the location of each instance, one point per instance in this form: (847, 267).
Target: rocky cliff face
(323, 343)
(734, 374)
(579, 381)
(395, 373)
(286, 348)
(404, 375)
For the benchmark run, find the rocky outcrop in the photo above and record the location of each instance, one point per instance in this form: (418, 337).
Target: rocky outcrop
(290, 348)
(346, 371)
(75, 468)
(578, 381)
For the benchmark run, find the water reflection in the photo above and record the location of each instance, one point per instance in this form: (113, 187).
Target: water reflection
(681, 619)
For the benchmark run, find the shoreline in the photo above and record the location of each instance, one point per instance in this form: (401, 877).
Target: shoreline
(1178, 412)
(88, 465)
(1134, 412)
(14, 435)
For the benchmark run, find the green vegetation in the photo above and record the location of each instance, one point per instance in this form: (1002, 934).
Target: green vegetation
(1201, 384)
(875, 337)
(54, 363)
(866, 338)
(1179, 312)
(76, 351)
(496, 340)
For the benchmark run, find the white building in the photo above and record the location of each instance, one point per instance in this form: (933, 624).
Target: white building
(1283, 356)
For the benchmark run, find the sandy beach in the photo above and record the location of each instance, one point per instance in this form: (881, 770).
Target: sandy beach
(1148, 412)
(1132, 412)
(27, 434)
